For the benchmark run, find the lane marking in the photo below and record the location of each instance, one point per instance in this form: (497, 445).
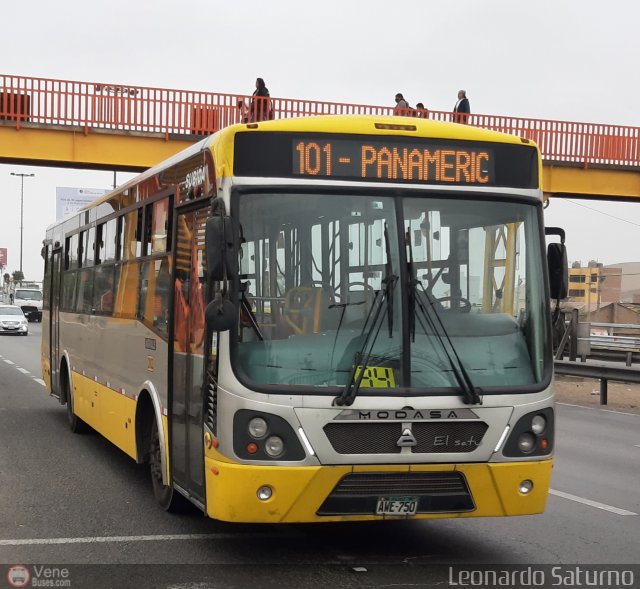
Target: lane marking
(24, 371)
(620, 412)
(150, 538)
(597, 409)
(590, 503)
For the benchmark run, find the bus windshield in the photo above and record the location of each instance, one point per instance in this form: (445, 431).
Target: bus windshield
(395, 285)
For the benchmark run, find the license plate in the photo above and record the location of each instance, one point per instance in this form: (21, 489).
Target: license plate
(397, 506)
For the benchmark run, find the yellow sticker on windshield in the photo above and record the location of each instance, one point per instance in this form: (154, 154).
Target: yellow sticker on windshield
(376, 377)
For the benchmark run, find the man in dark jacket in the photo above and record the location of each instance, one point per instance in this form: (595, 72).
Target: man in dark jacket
(462, 109)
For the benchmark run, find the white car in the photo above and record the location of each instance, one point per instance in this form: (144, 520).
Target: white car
(12, 320)
(30, 301)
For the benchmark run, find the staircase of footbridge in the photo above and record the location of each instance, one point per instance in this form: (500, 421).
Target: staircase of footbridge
(97, 125)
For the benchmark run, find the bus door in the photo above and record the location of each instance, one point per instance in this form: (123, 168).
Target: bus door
(54, 320)
(188, 344)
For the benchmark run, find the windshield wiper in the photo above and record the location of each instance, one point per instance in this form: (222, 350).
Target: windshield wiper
(371, 329)
(245, 306)
(471, 394)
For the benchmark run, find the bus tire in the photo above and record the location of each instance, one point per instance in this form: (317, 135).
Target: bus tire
(76, 425)
(166, 496)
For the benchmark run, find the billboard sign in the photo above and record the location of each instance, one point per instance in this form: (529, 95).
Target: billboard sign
(69, 200)
(3, 256)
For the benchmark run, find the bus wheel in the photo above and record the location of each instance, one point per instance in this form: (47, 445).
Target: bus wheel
(76, 425)
(168, 498)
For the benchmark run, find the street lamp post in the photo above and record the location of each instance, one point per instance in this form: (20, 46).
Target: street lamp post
(22, 177)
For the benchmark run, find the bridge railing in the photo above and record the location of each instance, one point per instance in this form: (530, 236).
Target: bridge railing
(124, 108)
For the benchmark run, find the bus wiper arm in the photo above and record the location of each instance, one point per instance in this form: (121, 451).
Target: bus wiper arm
(246, 307)
(371, 328)
(471, 393)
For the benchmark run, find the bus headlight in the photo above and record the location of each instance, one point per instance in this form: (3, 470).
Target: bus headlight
(526, 443)
(538, 424)
(274, 446)
(531, 436)
(258, 435)
(258, 428)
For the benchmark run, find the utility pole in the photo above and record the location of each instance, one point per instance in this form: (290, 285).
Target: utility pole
(22, 177)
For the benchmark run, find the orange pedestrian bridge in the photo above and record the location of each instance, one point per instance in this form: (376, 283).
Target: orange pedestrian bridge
(95, 125)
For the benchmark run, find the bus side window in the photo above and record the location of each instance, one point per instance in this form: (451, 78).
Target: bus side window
(160, 227)
(68, 291)
(127, 290)
(155, 282)
(109, 235)
(148, 223)
(132, 235)
(89, 248)
(80, 250)
(103, 289)
(72, 252)
(84, 292)
(119, 238)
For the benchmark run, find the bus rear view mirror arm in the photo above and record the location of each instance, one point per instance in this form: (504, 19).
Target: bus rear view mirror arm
(220, 249)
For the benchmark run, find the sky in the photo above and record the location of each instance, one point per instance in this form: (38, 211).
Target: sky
(557, 59)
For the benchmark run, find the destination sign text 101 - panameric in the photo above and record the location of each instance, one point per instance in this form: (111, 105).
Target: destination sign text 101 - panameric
(369, 158)
(393, 160)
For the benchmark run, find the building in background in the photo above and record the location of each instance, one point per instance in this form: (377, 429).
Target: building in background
(593, 286)
(619, 313)
(615, 289)
(629, 281)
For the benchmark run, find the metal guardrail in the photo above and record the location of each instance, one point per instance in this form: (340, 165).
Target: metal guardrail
(578, 340)
(616, 344)
(603, 372)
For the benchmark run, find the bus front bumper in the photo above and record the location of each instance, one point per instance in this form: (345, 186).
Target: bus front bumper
(298, 494)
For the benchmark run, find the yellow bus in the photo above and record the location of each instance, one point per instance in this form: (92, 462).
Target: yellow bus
(317, 319)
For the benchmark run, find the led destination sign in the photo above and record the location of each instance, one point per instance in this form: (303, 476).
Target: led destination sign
(385, 159)
(393, 160)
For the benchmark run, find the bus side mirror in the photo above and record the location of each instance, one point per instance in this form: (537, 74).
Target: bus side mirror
(219, 248)
(558, 270)
(557, 265)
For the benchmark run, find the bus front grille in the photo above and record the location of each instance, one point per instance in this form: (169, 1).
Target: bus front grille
(382, 438)
(437, 492)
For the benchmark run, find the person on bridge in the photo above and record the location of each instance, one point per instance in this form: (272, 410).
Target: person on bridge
(260, 109)
(244, 113)
(421, 112)
(462, 109)
(402, 108)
